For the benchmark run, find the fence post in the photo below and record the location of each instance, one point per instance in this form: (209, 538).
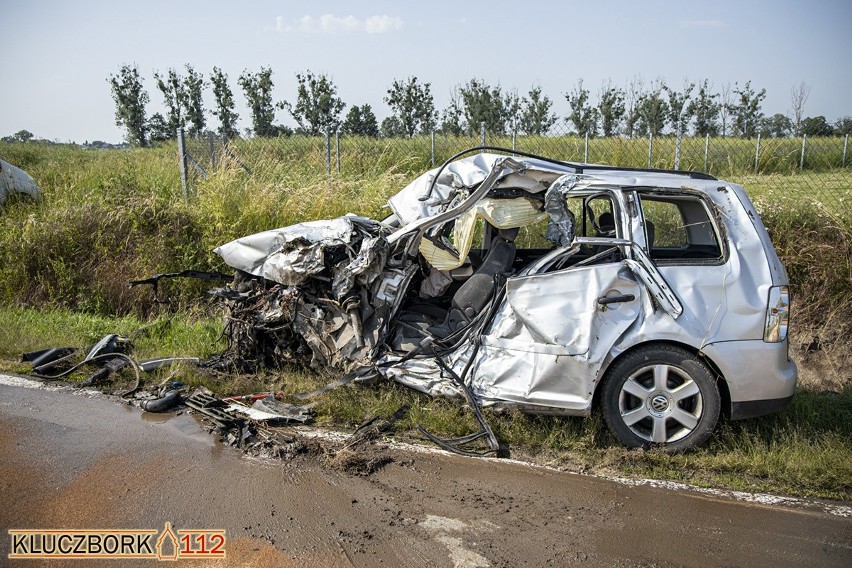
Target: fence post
(337, 143)
(482, 129)
(211, 143)
(802, 158)
(182, 162)
(433, 147)
(677, 149)
(514, 139)
(706, 150)
(757, 154)
(650, 147)
(586, 150)
(845, 145)
(328, 152)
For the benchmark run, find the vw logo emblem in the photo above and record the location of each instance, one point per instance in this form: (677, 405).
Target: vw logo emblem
(660, 403)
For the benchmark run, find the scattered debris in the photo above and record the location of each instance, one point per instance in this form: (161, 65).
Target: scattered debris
(284, 413)
(110, 354)
(153, 364)
(376, 426)
(163, 403)
(154, 281)
(203, 401)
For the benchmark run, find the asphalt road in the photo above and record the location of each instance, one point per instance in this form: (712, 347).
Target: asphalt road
(79, 461)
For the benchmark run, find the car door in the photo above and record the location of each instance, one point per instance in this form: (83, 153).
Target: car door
(548, 341)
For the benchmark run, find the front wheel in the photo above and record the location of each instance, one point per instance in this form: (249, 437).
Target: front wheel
(661, 396)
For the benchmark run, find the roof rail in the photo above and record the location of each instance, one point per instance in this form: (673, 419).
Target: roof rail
(581, 168)
(688, 173)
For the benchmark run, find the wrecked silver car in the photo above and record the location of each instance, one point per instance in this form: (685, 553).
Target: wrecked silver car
(535, 284)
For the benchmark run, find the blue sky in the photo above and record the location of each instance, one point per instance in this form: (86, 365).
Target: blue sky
(55, 56)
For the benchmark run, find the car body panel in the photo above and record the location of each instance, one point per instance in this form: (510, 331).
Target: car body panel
(14, 180)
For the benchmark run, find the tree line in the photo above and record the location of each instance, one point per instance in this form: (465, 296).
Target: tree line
(637, 109)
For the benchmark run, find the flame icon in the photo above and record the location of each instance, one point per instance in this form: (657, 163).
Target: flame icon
(163, 544)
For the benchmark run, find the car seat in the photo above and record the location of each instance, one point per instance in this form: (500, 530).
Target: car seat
(477, 291)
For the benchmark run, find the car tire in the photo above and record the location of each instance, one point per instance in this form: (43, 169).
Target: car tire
(661, 396)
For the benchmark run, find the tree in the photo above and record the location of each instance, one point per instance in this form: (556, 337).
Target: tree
(776, 126)
(679, 114)
(651, 110)
(610, 108)
(632, 94)
(536, 118)
(451, 117)
(224, 104)
(361, 121)
(175, 98)
(705, 108)
(258, 90)
(483, 104)
(393, 128)
(511, 111)
(843, 126)
(725, 102)
(19, 136)
(745, 110)
(130, 99)
(583, 115)
(193, 87)
(158, 129)
(816, 126)
(413, 105)
(798, 97)
(317, 109)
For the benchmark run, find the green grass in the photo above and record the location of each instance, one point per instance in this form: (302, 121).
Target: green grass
(109, 217)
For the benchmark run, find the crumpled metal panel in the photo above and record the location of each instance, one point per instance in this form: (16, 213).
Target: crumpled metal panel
(535, 177)
(290, 254)
(550, 338)
(336, 293)
(561, 229)
(16, 180)
(364, 269)
(425, 375)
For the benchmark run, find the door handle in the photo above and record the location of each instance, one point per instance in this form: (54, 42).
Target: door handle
(606, 300)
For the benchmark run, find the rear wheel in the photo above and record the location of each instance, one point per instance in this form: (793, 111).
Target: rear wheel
(661, 396)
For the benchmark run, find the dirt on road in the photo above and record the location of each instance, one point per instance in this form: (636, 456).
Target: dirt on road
(75, 460)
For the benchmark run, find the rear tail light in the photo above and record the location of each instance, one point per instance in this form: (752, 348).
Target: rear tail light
(777, 314)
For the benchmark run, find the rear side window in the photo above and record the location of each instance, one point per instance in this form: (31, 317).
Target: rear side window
(680, 229)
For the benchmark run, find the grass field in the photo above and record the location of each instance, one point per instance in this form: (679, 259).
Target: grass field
(109, 217)
(722, 157)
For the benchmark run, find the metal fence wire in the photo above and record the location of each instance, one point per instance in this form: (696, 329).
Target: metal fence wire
(812, 170)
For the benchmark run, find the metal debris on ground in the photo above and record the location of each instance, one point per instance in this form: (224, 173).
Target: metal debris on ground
(203, 401)
(110, 355)
(376, 426)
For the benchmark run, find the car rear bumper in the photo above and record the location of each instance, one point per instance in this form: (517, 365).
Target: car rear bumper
(760, 376)
(753, 408)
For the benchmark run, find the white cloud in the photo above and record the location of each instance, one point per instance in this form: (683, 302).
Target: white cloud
(331, 24)
(703, 24)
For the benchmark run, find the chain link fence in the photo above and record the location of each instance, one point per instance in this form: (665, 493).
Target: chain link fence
(805, 170)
